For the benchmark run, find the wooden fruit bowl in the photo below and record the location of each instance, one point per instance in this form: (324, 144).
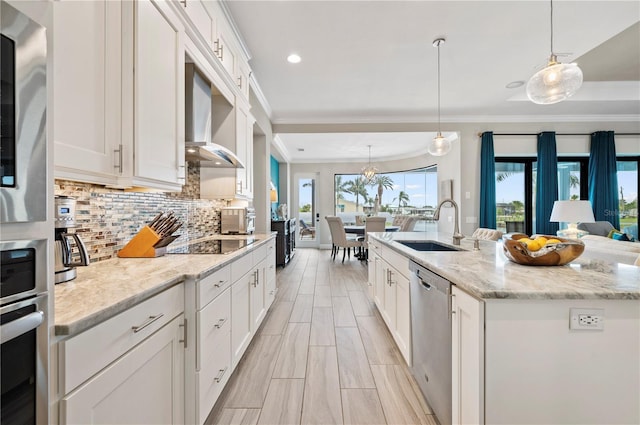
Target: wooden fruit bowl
(557, 254)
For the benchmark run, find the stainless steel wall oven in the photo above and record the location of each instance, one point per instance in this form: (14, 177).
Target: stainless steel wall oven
(25, 271)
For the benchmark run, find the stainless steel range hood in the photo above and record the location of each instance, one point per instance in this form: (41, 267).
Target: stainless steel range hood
(198, 124)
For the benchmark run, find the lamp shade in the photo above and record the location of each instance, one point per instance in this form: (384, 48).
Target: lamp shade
(439, 146)
(572, 212)
(554, 83)
(274, 195)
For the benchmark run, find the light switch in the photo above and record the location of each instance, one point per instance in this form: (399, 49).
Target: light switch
(467, 195)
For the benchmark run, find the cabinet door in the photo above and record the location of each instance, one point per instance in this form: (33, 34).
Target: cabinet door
(402, 332)
(240, 317)
(467, 351)
(146, 385)
(200, 18)
(371, 274)
(389, 314)
(380, 282)
(87, 83)
(159, 94)
(223, 48)
(258, 295)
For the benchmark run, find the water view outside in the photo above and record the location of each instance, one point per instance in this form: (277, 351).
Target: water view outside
(511, 202)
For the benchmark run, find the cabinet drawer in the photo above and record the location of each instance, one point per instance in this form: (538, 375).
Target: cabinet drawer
(396, 260)
(211, 321)
(241, 266)
(213, 285)
(271, 268)
(85, 354)
(260, 253)
(214, 375)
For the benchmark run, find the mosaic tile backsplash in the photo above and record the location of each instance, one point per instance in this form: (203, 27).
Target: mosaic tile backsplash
(108, 218)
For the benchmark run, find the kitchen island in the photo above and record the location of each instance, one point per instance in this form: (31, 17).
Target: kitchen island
(516, 357)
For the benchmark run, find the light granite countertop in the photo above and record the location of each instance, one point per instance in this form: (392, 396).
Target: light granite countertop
(104, 289)
(488, 274)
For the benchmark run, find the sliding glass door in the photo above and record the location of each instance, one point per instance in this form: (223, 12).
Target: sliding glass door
(306, 211)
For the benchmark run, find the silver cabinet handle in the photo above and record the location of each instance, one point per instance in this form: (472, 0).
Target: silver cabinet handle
(21, 326)
(184, 2)
(219, 284)
(146, 323)
(240, 81)
(220, 375)
(184, 335)
(118, 166)
(221, 323)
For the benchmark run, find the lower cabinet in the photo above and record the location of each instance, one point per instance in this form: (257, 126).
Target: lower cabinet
(467, 353)
(391, 295)
(241, 316)
(143, 385)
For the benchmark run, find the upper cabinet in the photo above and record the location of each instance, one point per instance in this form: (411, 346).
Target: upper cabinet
(87, 99)
(118, 98)
(158, 95)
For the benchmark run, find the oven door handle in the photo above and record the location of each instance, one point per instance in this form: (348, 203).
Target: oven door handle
(21, 326)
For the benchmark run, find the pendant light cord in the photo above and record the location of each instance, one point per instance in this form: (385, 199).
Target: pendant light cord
(439, 133)
(551, 27)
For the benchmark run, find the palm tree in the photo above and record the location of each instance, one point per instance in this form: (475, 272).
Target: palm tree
(358, 188)
(341, 187)
(383, 182)
(402, 197)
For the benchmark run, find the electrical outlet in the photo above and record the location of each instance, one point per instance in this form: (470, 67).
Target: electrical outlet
(450, 219)
(586, 319)
(467, 195)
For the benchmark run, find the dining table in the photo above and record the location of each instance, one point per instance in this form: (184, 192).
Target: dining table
(359, 230)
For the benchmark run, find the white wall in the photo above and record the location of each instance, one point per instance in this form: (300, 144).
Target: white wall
(462, 164)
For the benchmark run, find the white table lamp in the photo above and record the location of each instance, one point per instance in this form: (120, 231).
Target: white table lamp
(572, 213)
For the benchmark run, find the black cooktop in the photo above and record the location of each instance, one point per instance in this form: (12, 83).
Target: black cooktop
(211, 246)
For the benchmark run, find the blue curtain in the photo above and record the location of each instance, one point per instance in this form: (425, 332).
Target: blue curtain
(546, 183)
(487, 182)
(603, 178)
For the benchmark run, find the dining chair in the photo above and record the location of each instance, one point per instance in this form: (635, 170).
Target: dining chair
(486, 234)
(373, 224)
(398, 220)
(339, 238)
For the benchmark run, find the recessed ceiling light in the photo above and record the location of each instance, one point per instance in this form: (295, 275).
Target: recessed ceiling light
(293, 58)
(300, 149)
(515, 84)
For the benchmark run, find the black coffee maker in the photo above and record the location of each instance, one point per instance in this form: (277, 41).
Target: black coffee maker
(65, 242)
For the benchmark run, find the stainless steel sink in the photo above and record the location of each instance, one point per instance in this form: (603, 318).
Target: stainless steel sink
(429, 246)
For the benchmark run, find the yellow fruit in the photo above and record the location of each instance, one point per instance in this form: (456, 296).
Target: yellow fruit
(541, 240)
(525, 240)
(553, 240)
(533, 245)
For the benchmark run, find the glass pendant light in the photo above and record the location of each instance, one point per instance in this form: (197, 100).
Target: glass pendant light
(369, 172)
(557, 81)
(440, 145)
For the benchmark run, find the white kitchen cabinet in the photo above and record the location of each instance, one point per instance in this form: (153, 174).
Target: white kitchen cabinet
(158, 96)
(199, 16)
(129, 368)
(214, 352)
(271, 283)
(391, 295)
(244, 150)
(87, 80)
(259, 295)
(146, 385)
(241, 316)
(467, 352)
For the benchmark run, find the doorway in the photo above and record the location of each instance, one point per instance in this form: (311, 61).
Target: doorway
(306, 211)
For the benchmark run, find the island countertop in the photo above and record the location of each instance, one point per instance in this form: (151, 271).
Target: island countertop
(109, 287)
(488, 274)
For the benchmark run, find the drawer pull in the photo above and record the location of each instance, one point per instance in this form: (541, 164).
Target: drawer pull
(221, 323)
(148, 322)
(219, 284)
(220, 375)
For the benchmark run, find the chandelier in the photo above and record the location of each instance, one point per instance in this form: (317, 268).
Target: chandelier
(556, 82)
(369, 171)
(440, 145)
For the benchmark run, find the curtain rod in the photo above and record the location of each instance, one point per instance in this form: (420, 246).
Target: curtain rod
(558, 134)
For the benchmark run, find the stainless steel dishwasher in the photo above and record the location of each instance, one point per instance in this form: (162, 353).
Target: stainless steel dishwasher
(431, 338)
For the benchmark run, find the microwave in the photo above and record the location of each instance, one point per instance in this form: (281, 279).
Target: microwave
(237, 220)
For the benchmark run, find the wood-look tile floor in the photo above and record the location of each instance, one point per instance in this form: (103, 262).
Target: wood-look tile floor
(323, 355)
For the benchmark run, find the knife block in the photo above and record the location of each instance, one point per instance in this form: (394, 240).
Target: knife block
(141, 245)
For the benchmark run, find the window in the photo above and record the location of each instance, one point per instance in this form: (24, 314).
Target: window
(628, 183)
(413, 192)
(515, 190)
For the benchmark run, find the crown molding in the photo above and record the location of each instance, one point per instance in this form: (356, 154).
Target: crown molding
(281, 148)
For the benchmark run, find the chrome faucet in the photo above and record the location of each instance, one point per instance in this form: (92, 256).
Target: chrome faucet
(457, 236)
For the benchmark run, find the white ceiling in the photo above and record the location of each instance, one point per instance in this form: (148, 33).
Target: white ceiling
(373, 62)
